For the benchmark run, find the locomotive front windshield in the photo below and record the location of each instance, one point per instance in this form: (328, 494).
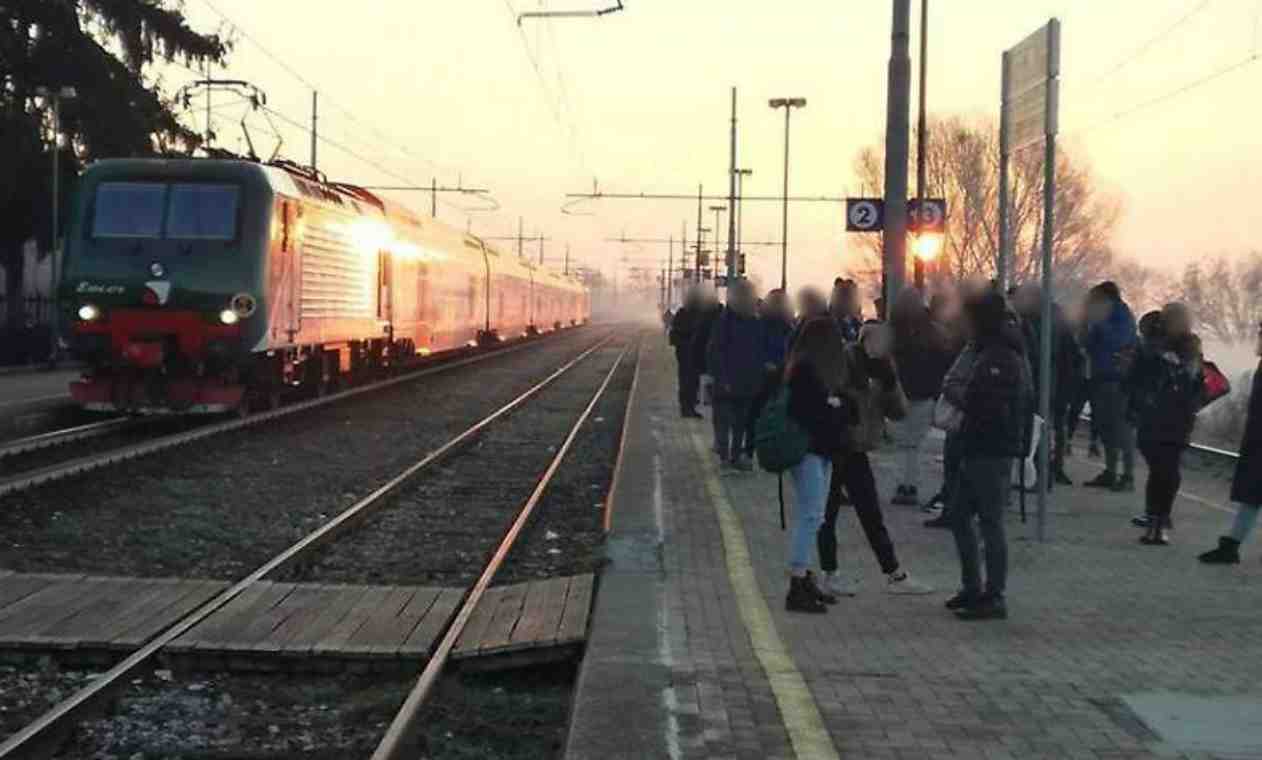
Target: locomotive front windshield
(172, 211)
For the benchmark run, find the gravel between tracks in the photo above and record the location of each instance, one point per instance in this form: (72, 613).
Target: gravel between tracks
(440, 530)
(221, 507)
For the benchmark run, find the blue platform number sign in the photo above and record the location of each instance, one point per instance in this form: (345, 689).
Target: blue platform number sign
(865, 214)
(926, 216)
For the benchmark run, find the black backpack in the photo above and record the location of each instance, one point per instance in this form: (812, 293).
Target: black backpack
(998, 412)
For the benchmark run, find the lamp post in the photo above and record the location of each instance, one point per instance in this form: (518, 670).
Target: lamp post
(56, 95)
(788, 104)
(741, 174)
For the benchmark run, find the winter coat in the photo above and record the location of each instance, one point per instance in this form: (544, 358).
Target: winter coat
(1107, 339)
(683, 326)
(826, 424)
(1246, 486)
(955, 383)
(849, 328)
(923, 357)
(736, 356)
(1066, 356)
(701, 337)
(875, 394)
(997, 416)
(776, 335)
(1165, 389)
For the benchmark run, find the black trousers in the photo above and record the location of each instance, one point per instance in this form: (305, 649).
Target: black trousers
(689, 379)
(853, 472)
(1165, 475)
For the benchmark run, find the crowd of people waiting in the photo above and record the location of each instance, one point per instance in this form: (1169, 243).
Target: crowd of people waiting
(967, 363)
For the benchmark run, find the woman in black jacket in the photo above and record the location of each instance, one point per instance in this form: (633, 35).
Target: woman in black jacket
(1246, 486)
(1166, 386)
(816, 374)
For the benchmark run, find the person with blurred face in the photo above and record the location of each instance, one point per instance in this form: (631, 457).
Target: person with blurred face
(922, 356)
(1111, 338)
(737, 358)
(1165, 385)
(872, 389)
(996, 400)
(845, 309)
(683, 328)
(1246, 484)
(1028, 302)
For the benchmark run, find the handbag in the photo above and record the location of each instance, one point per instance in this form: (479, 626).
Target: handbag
(947, 416)
(1216, 384)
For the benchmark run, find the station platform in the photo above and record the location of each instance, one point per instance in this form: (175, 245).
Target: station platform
(30, 398)
(1112, 649)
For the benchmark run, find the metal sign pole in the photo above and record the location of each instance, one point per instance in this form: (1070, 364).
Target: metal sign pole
(1049, 208)
(1005, 139)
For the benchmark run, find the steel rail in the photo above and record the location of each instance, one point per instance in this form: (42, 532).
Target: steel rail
(400, 737)
(64, 436)
(62, 470)
(40, 736)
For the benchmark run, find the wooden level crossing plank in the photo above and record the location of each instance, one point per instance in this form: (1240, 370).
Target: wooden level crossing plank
(210, 632)
(108, 597)
(479, 621)
(507, 612)
(170, 601)
(18, 586)
(541, 614)
(255, 624)
(578, 610)
(299, 608)
(392, 637)
(340, 635)
(305, 633)
(45, 607)
(424, 637)
(381, 625)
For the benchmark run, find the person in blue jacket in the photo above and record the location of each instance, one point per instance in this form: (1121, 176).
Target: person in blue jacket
(1112, 339)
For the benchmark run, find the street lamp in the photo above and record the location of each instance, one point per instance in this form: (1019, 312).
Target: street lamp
(741, 174)
(56, 95)
(788, 104)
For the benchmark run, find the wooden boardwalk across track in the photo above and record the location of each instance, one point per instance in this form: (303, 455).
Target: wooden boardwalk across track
(287, 625)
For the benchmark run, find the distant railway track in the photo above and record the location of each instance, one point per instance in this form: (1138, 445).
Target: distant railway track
(42, 737)
(40, 474)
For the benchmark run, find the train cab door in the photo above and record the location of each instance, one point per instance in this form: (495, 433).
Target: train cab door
(287, 275)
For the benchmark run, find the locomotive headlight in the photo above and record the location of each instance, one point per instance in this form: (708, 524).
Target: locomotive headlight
(89, 313)
(228, 317)
(243, 305)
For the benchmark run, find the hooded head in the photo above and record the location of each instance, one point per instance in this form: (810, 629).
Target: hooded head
(988, 315)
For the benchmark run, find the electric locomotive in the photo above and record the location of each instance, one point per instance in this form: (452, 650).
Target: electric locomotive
(208, 286)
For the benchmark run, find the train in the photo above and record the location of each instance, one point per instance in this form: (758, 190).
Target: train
(208, 286)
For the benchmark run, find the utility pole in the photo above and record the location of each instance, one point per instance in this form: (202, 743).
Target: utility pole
(731, 202)
(520, 240)
(1005, 149)
(699, 195)
(540, 249)
(566, 266)
(741, 174)
(896, 148)
(670, 271)
(315, 119)
(921, 130)
(718, 211)
(207, 146)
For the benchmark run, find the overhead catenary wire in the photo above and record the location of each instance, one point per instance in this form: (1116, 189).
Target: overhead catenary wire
(1143, 48)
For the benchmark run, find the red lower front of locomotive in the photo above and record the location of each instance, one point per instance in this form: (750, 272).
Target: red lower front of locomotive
(159, 362)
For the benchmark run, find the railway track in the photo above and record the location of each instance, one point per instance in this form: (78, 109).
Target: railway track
(32, 472)
(41, 737)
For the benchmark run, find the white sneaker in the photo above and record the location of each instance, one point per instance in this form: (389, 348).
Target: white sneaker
(901, 582)
(836, 585)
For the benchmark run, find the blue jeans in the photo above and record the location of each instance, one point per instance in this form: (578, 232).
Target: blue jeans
(982, 491)
(810, 489)
(1246, 518)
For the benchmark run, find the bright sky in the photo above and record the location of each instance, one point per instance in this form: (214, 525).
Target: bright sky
(640, 100)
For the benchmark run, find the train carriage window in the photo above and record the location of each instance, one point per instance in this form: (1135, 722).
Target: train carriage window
(128, 210)
(203, 212)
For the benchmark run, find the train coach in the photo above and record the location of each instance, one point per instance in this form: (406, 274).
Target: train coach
(208, 286)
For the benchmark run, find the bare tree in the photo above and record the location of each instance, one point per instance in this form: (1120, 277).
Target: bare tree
(1224, 297)
(963, 166)
(1143, 287)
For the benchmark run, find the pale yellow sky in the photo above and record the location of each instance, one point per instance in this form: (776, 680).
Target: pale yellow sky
(642, 98)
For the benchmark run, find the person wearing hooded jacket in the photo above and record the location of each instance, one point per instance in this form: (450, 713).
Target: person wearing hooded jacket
(923, 354)
(683, 328)
(736, 358)
(997, 406)
(1111, 339)
(1246, 484)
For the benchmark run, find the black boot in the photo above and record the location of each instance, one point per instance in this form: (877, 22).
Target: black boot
(1227, 553)
(803, 597)
(1105, 479)
(987, 607)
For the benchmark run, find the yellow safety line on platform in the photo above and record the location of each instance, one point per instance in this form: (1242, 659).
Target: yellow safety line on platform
(802, 719)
